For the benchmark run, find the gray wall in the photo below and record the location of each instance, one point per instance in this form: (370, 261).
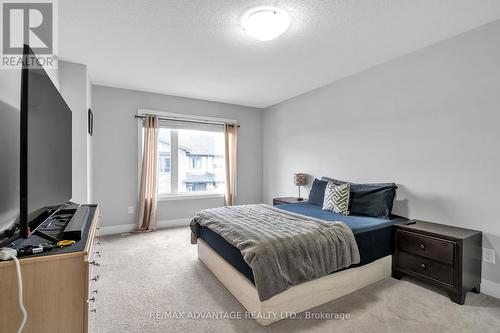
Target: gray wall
(74, 87)
(10, 97)
(90, 141)
(428, 121)
(115, 155)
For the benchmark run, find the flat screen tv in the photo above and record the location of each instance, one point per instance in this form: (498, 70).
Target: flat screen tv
(39, 133)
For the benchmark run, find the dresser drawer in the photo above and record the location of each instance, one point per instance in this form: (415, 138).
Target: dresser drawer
(426, 246)
(430, 268)
(93, 263)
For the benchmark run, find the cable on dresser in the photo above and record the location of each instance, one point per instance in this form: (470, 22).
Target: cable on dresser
(7, 254)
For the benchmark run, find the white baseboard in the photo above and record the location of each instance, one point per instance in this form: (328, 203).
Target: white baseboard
(116, 229)
(490, 288)
(121, 228)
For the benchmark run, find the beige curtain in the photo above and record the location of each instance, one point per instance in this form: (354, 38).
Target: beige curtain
(230, 139)
(149, 172)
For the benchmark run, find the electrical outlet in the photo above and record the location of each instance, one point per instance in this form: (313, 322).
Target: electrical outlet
(489, 255)
(131, 209)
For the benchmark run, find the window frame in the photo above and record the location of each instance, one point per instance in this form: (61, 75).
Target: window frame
(175, 195)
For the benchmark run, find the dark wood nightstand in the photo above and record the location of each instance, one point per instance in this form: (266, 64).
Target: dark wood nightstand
(286, 200)
(444, 256)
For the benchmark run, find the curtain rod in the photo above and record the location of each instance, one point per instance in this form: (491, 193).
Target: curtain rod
(189, 121)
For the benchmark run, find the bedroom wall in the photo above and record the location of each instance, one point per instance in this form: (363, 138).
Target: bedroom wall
(115, 158)
(74, 87)
(427, 121)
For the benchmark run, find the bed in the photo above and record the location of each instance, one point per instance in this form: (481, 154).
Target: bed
(374, 237)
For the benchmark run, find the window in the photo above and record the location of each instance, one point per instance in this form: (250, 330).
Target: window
(217, 163)
(195, 162)
(190, 159)
(164, 163)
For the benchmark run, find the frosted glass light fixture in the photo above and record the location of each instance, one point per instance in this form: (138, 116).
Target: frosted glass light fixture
(265, 23)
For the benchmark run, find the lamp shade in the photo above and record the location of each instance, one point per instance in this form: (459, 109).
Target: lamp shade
(299, 179)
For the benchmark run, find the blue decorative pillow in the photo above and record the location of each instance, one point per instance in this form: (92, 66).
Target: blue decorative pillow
(374, 200)
(317, 193)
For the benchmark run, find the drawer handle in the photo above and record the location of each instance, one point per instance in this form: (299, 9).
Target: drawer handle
(91, 300)
(422, 246)
(95, 291)
(94, 310)
(423, 266)
(95, 263)
(95, 278)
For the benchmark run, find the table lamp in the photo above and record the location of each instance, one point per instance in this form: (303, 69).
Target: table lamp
(300, 180)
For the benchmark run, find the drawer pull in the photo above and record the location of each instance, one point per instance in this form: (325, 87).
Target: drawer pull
(422, 246)
(95, 291)
(91, 300)
(423, 266)
(95, 278)
(94, 310)
(95, 263)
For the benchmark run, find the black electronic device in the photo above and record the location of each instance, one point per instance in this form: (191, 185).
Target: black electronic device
(36, 150)
(76, 226)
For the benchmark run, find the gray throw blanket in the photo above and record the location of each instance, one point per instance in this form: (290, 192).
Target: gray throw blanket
(283, 249)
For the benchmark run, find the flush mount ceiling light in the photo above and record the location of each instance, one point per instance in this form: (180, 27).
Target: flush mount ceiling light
(265, 23)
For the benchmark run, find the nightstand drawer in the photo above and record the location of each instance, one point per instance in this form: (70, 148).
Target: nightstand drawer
(433, 269)
(425, 246)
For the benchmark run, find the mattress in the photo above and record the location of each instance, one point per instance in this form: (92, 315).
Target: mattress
(374, 236)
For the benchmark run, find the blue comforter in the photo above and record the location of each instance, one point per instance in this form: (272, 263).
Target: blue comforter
(357, 223)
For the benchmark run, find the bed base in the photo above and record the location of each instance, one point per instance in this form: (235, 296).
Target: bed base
(298, 298)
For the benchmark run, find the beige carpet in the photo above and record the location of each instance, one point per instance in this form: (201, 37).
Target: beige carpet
(159, 271)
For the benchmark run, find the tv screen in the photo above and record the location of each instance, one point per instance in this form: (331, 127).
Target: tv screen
(10, 101)
(46, 122)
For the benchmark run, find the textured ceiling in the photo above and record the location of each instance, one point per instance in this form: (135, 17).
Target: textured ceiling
(197, 48)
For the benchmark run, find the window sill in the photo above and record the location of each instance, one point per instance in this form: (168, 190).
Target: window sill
(183, 196)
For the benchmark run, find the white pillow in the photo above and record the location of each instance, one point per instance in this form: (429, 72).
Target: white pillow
(337, 198)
